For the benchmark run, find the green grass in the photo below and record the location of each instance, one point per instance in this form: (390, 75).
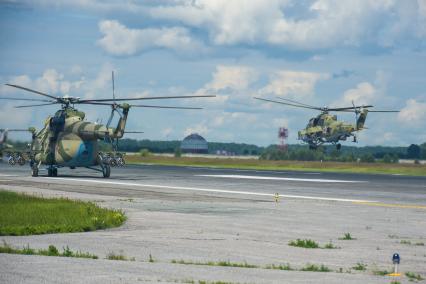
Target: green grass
(380, 272)
(216, 263)
(119, 256)
(207, 282)
(308, 267)
(347, 237)
(315, 268)
(330, 245)
(279, 267)
(22, 214)
(304, 243)
(50, 251)
(360, 266)
(366, 168)
(413, 277)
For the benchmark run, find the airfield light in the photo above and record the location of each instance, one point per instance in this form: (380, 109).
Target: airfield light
(396, 259)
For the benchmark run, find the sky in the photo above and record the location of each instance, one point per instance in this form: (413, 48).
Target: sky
(320, 52)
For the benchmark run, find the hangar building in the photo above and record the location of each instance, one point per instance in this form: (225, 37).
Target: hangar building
(194, 143)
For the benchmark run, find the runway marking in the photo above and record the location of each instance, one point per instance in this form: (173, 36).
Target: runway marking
(281, 178)
(209, 190)
(251, 171)
(2, 175)
(379, 204)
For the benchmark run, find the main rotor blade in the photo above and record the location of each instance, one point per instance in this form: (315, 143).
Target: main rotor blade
(35, 105)
(272, 101)
(151, 106)
(145, 98)
(296, 102)
(348, 108)
(125, 131)
(32, 91)
(383, 111)
(16, 99)
(15, 130)
(147, 106)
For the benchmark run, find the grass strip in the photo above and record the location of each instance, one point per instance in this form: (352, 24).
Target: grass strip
(50, 251)
(22, 214)
(216, 263)
(308, 267)
(304, 243)
(119, 256)
(413, 277)
(343, 167)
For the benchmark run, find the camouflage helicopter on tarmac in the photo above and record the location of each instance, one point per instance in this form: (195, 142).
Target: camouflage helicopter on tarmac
(14, 156)
(67, 140)
(325, 128)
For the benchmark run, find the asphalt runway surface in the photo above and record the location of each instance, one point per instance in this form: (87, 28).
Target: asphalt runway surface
(245, 183)
(206, 214)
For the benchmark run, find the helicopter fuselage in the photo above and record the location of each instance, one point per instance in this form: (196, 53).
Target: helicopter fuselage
(68, 141)
(326, 129)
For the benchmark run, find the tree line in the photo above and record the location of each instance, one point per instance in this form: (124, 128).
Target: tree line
(273, 152)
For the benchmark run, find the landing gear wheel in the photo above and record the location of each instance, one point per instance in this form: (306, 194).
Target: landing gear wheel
(338, 146)
(34, 171)
(49, 172)
(54, 172)
(106, 171)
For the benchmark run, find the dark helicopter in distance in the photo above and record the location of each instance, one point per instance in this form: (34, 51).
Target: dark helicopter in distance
(68, 140)
(325, 128)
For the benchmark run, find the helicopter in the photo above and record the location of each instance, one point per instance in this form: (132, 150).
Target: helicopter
(325, 128)
(68, 140)
(13, 156)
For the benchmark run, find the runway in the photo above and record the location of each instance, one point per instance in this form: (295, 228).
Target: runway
(204, 214)
(223, 182)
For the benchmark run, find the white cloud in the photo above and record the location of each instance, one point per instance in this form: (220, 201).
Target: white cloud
(229, 83)
(413, 114)
(10, 118)
(295, 84)
(363, 94)
(200, 128)
(166, 132)
(306, 25)
(233, 77)
(51, 82)
(324, 24)
(119, 40)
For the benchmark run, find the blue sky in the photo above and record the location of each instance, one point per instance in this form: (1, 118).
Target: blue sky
(321, 52)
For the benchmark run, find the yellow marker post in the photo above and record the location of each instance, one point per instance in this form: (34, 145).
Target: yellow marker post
(277, 197)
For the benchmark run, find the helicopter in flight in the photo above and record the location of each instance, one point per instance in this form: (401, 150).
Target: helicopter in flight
(68, 140)
(325, 128)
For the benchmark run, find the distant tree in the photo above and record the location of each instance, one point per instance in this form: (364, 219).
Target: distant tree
(178, 152)
(423, 151)
(387, 159)
(335, 155)
(367, 158)
(144, 152)
(348, 158)
(413, 151)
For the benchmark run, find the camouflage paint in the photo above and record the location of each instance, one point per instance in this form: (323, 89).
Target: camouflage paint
(77, 144)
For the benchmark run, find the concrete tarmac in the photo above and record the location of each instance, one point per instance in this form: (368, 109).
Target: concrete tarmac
(202, 214)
